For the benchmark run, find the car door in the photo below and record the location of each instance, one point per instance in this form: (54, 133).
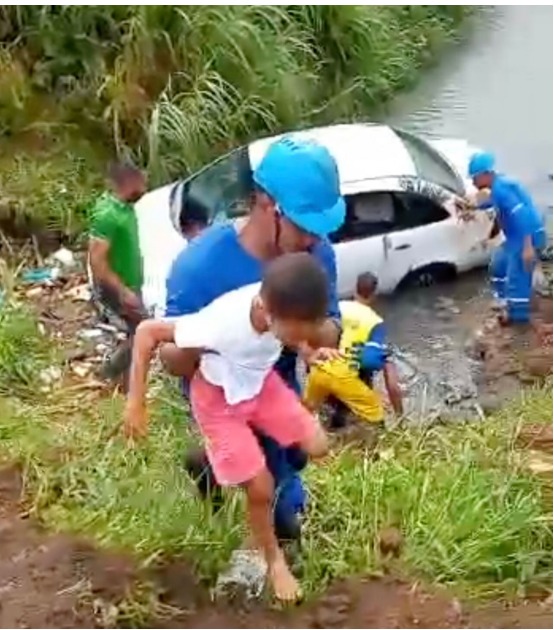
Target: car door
(359, 244)
(425, 233)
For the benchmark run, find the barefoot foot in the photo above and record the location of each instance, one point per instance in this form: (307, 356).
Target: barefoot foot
(285, 586)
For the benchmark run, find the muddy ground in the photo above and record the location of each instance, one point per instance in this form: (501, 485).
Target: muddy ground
(516, 355)
(58, 581)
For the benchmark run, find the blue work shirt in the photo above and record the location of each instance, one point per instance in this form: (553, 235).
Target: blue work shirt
(517, 214)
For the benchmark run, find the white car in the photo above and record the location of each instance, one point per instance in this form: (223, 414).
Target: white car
(400, 190)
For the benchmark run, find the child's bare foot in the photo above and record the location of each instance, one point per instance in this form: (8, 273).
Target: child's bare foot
(285, 586)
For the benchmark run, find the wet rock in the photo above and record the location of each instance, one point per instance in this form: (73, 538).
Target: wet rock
(50, 375)
(445, 302)
(447, 307)
(82, 370)
(75, 354)
(538, 363)
(454, 614)
(333, 611)
(64, 257)
(490, 403)
(91, 333)
(34, 292)
(390, 541)
(80, 293)
(244, 578)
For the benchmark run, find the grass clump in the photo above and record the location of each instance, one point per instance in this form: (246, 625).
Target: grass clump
(469, 511)
(24, 352)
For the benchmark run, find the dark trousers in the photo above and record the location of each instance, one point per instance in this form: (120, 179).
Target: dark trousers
(117, 365)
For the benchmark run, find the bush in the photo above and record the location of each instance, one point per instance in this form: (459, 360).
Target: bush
(200, 78)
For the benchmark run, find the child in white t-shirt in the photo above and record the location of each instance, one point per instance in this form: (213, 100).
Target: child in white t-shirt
(235, 390)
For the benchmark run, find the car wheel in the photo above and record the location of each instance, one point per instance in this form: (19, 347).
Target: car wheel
(426, 279)
(429, 275)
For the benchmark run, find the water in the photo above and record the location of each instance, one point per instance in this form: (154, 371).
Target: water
(495, 89)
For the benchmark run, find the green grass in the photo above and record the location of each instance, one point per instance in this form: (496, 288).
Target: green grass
(24, 351)
(176, 86)
(470, 513)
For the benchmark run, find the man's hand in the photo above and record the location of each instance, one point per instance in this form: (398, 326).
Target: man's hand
(135, 419)
(130, 300)
(321, 355)
(528, 255)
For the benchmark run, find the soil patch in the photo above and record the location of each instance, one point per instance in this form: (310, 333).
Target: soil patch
(58, 581)
(536, 437)
(514, 356)
(53, 581)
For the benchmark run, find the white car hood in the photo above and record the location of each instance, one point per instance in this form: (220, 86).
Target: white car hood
(457, 152)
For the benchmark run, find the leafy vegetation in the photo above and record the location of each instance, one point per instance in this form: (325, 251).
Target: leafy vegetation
(175, 86)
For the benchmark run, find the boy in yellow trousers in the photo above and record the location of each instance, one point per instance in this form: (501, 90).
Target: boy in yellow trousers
(350, 380)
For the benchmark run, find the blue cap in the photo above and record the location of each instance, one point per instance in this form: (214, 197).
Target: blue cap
(480, 163)
(302, 178)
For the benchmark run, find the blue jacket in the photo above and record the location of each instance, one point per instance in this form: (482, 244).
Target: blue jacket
(517, 214)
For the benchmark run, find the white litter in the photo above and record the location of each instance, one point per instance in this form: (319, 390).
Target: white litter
(65, 257)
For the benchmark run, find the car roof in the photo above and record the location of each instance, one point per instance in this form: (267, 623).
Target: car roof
(362, 151)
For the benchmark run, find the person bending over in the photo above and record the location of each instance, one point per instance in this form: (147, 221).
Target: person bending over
(348, 381)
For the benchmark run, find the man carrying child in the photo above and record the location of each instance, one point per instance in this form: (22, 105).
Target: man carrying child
(295, 203)
(236, 390)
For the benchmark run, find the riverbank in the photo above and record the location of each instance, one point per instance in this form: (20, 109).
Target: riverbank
(440, 521)
(174, 87)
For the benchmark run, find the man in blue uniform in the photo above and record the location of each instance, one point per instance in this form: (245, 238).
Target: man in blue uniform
(295, 205)
(514, 261)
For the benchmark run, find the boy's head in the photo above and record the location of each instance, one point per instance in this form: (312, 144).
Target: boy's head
(366, 288)
(295, 297)
(193, 218)
(127, 181)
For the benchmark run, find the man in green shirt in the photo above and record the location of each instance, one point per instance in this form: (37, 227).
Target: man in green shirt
(115, 258)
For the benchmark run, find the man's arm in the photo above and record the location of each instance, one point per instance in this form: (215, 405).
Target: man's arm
(373, 354)
(102, 274)
(393, 387)
(375, 357)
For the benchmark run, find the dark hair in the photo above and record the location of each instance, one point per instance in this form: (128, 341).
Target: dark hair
(366, 284)
(193, 213)
(295, 286)
(118, 172)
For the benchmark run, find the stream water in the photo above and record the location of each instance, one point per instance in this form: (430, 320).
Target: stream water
(495, 89)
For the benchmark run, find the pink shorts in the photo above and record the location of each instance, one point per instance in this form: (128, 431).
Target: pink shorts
(231, 445)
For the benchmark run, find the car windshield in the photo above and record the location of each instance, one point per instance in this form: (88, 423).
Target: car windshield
(430, 164)
(223, 187)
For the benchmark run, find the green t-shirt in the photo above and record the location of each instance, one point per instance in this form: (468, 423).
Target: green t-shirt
(115, 221)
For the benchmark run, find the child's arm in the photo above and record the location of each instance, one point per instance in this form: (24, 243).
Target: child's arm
(197, 331)
(149, 335)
